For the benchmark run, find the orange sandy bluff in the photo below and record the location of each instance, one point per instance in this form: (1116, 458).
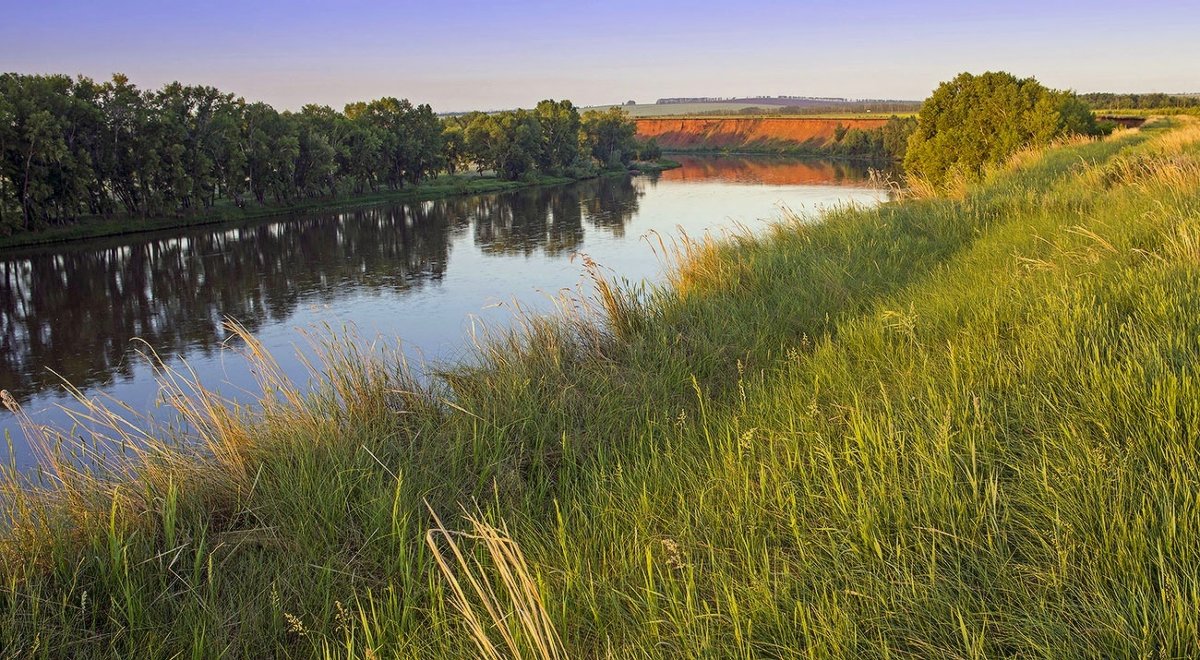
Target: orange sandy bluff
(732, 132)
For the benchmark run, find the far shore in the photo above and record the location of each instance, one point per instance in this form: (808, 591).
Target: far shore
(441, 187)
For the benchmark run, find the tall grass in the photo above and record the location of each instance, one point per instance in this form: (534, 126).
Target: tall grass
(963, 427)
(512, 611)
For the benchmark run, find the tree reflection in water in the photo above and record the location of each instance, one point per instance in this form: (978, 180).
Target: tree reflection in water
(73, 310)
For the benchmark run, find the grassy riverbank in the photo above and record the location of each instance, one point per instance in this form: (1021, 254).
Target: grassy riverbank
(440, 187)
(961, 427)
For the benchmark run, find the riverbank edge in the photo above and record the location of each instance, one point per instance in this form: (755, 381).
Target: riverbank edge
(443, 187)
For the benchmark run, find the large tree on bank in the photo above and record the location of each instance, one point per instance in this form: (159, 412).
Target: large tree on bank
(976, 120)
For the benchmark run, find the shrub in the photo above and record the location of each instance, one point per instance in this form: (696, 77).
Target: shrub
(973, 121)
(649, 150)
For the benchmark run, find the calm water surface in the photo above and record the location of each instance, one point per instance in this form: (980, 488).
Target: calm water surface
(422, 272)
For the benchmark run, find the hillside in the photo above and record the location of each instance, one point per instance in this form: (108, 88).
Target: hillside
(733, 133)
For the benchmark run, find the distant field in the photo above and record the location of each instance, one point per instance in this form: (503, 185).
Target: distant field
(670, 109)
(732, 110)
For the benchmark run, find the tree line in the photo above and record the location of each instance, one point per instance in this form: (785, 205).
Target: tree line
(1153, 101)
(74, 147)
(553, 138)
(887, 142)
(848, 107)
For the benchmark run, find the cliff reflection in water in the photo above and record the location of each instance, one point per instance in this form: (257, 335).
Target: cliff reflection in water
(771, 170)
(74, 310)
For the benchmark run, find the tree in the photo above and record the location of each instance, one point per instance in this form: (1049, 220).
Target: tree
(37, 159)
(895, 136)
(385, 116)
(517, 144)
(478, 137)
(560, 126)
(454, 145)
(409, 138)
(73, 147)
(7, 136)
(649, 150)
(421, 142)
(125, 136)
(316, 166)
(973, 121)
(510, 143)
(609, 136)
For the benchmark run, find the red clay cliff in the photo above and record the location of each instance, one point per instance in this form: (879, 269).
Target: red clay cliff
(731, 133)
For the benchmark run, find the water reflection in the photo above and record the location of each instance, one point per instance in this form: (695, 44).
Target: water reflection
(416, 271)
(72, 311)
(769, 170)
(550, 219)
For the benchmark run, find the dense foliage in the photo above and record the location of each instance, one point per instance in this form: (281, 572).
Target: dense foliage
(887, 142)
(74, 147)
(843, 107)
(977, 120)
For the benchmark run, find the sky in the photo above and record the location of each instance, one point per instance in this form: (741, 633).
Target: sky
(464, 54)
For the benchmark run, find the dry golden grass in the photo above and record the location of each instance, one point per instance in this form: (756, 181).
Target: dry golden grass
(1029, 155)
(959, 183)
(211, 446)
(1169, 160)
(919, 187)
(695, 264)
(1184, 243)
(499, 599)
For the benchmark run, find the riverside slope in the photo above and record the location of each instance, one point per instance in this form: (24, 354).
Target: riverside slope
(956, 427)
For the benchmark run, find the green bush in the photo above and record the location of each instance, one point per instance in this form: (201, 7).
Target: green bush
(973, 121)
(648, 150)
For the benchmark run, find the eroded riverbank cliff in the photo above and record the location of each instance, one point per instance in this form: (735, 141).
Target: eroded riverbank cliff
(748, 133)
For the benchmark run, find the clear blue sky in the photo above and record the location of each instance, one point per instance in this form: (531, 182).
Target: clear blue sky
(465, 54)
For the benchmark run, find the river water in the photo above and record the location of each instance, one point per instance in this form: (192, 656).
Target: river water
(428, 273)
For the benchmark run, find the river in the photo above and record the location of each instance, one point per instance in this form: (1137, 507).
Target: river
(426, 273)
